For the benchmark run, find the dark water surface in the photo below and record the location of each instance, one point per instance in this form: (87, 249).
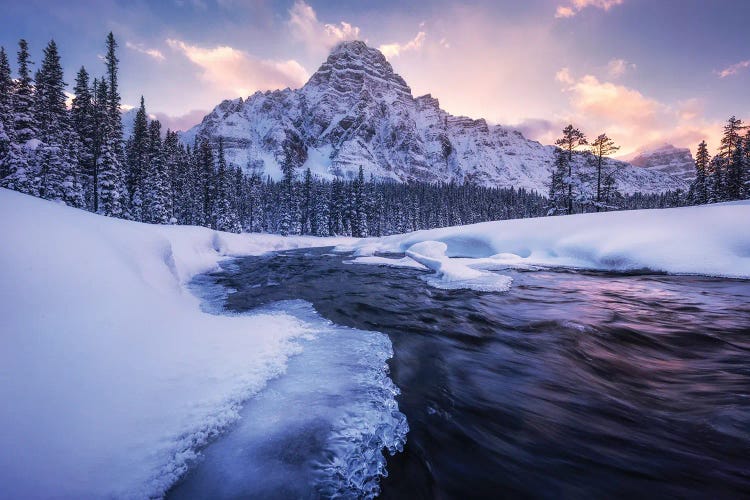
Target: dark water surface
(572, 384)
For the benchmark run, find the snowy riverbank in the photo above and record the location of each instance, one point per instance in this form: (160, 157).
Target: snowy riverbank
(110, 375)
(709, 240)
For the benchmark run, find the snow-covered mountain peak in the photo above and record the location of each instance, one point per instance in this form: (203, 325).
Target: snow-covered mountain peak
(356, 111)
(668, 159)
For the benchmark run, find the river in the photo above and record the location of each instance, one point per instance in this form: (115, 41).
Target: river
(571, 384)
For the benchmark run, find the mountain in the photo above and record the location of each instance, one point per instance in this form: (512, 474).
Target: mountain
(668, 159)
(356, 111)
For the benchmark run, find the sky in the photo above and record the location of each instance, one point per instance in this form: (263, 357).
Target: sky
(646, 72)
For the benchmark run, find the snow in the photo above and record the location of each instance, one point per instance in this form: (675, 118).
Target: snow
(451, 273)
(111, 376)
(708, 240)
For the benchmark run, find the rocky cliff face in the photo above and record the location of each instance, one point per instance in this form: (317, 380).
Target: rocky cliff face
(669, 160)
(355, 111)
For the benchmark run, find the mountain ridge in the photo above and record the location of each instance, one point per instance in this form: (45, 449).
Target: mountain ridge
(356, 111)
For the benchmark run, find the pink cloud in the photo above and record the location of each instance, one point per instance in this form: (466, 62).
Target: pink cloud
(575, 6)
(395, 49)
(305, 26)
(733, 69)
(239, 73)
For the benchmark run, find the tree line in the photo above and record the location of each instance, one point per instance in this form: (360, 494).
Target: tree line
(584, 180)
(75, 153)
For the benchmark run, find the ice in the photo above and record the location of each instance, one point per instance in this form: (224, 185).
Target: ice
(319, 431)
(709, 240)
(452, 274)
(406, 262)
(111, 376)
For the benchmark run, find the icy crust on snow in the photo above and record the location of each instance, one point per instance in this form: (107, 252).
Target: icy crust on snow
(708, 240)
(112, 376)
(451, 274)
(310, 437)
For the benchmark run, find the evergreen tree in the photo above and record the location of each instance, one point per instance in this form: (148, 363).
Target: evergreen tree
(113, 96)
(110, 176)
(558, 201)
(84, 126)
(21, 175)
(206, 182)
(137, 159)
(156, 190)
(58, 168)
(224, 215)
(601, 148)
(699, 186)
(7, 136)
(570, 140)
(734, 185)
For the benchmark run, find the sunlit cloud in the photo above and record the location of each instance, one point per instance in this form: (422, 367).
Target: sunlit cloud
(395, 49)
(575, 6)
(153, 53)
(181, 122)
(618, 67)
(734, 69)
(239, 73)
(305, 26)
(630, 117)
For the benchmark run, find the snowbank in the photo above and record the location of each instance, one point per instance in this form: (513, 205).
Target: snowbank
(710, 240)
(110, 375)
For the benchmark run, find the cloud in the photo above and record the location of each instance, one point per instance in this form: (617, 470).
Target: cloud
(395, 49)
(153, 53)
(239, 73)
(181, 122)
(618, 67)
(733, 69)
(630, 117)
(575, 6)
(304, 25)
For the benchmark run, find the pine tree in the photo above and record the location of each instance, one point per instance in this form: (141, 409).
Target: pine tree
(735, 174)
(206, 182)
(7, 136)
(156, 190)
(699, 187)
(57, 165)
(308, 203)
(359, 219)
(113, 96)
(602, 147)
(110, 175)
(84, 127)
(19, 165)
(224, 216)
(137, 158)
(558, 203)
(570, 140)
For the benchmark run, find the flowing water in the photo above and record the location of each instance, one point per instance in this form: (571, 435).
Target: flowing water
(572, 384)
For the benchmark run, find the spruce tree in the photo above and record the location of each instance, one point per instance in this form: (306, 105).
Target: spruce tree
(21, 175)
(571, 139)
(137, 157)
(84, 127)
(224, 217)
(699, 187)
(601, 148)
(156, 191)
(57, 163)
(7, 136)
(110, 175)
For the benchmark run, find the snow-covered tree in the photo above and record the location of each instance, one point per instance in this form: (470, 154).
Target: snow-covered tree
(137, 158)
(224, 214)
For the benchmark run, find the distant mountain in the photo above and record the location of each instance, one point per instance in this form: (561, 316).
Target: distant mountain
(667, 159)
(355, 111)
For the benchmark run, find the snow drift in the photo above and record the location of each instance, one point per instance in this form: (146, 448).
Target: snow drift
(709, 240)
(110, 375)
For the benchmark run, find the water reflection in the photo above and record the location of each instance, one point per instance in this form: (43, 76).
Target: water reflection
(572, 384)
